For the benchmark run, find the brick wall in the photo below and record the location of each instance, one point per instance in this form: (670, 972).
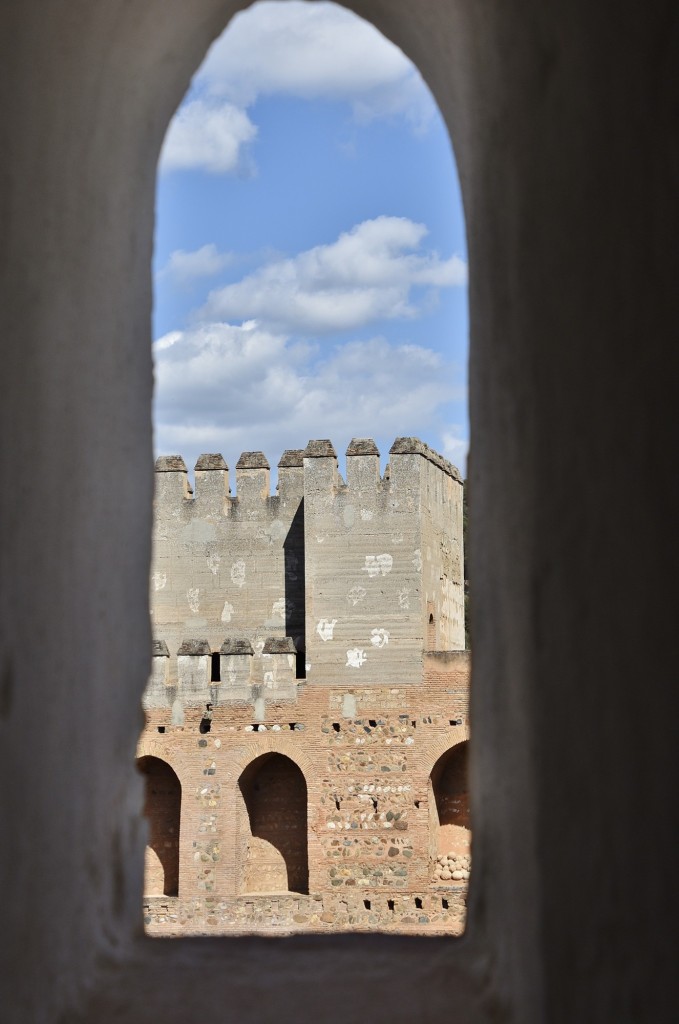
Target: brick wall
(372, 823)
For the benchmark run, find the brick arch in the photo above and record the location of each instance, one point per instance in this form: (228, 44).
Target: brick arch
(448, 796)
(149, 746)
(442, 744)
(162, 809)
(274, 743)
(272, 825)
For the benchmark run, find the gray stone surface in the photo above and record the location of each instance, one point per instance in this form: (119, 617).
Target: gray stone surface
(252, 460)
(319, 450)
(170, 464)
(291, 457)
(362, 446)
(279, 645)
(211, 462)
(235, 646)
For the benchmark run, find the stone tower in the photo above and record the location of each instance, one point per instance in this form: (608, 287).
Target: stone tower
(308, 682)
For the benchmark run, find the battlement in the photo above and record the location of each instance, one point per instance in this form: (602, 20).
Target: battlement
(338, 579)
(315, 467)
(413, 446)
(233, 672)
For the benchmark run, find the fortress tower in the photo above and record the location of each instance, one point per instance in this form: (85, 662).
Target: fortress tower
(308, 682)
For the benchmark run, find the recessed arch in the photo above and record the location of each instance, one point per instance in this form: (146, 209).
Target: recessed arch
(449, 807)
(162, 809)
(272, 843)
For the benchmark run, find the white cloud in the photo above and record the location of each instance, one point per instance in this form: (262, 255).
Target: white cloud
(183, 266)
(209, 135)
(366, 275)
(304, 50)
(221, 387)
(314, 50)
(456, 448)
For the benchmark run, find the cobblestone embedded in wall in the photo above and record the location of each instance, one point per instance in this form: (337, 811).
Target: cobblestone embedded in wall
(452, 867)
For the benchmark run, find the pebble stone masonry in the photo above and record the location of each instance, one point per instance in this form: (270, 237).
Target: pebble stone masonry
(306, 717)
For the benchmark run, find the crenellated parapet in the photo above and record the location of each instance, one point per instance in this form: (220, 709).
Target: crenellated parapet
(357, 577)
(234, 672)
(384, 561)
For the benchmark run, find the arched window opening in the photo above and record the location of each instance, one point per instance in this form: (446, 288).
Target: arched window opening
(310, 268)
(272, 847)
(449, 813)
(431, 627)
(162, 809)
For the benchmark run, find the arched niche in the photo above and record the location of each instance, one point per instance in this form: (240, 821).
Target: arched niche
(272, 848)
(162, 809)
(449, 809)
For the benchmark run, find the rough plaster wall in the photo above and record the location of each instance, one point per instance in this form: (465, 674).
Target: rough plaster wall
(564, 118)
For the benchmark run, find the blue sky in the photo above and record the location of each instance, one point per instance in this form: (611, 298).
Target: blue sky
(310, 261)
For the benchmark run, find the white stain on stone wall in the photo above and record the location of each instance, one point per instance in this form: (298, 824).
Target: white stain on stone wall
(238, 572)
(379, 637)
(404, 598)
(213, 561)
(366, 515)
(356, 595)
(356, 657)
(277, 531)
(325, 628)
(227, 612)
(349, 705)
(376, 564)
(417, 559)
(279, 608)
(159, 580)
(193, 597)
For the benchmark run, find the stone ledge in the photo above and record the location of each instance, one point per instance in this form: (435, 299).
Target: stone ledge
(194, 647)
(292, 458)
(236, 646)
(323, 449)
(413, 446)
(208, 462)
(170, 464)
(362, 446)
(279, 645)
(252, 460)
